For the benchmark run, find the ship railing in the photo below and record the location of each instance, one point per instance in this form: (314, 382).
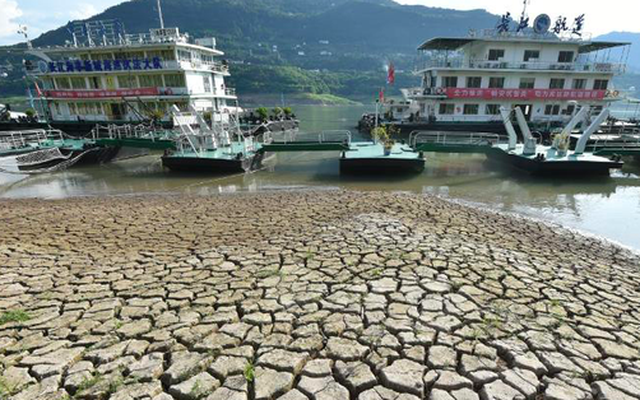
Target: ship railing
(459, 63)
(118, 132)
(495, 34)
(442, 138)
(615, 142)
(293, 136)
(33, 137)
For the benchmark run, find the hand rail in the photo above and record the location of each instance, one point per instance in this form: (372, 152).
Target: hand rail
(453, 138)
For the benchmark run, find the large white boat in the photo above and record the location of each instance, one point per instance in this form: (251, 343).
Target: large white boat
(548, 72)
(104, 75)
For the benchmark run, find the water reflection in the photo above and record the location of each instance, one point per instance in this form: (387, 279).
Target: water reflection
(609, 207)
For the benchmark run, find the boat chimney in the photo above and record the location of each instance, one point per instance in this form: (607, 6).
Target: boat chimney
(160, 15)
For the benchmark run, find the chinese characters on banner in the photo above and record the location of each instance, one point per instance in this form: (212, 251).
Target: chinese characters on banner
(105, 65)
(525, 94)
(560, 26)
(96, 94)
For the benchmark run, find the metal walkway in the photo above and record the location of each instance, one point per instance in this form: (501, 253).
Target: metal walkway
(609, 145)
(134, 136)
(453, 142)
(291, 141)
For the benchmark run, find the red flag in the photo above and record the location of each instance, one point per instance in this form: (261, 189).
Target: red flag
(391, 74)
(381, 95)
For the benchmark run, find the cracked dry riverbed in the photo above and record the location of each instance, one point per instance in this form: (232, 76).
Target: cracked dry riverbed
(309, 295)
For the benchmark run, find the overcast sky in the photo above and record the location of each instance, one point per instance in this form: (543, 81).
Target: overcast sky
(602, 17)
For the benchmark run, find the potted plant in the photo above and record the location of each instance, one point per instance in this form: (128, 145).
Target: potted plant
(208, 117)
(277, 112)
(388, 146)
(287, 112)
(381, 135)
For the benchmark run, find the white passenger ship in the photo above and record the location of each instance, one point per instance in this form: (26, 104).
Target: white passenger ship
(546, 71)
(104, 75)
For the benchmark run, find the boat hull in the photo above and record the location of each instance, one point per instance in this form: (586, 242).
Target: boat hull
(212, 165)
(551, 167)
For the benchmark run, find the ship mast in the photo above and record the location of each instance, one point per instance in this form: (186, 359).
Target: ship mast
(160, 15)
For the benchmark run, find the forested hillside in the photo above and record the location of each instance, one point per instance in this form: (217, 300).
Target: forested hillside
(308, 46)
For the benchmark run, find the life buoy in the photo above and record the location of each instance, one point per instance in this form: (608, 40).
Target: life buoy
(615, 93)
(439, 90)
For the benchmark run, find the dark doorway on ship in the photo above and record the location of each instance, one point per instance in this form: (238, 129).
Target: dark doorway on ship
(117, 111)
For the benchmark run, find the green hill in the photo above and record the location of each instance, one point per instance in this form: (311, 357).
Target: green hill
(318, 46)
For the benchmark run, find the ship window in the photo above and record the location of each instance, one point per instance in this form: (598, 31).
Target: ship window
(207, 84)
(47, 84)
(556, 83)
(184, 55)
(579, 84)
(569, 110)
(127, 82)
(551, 109)
(474, 81)
(446, 108)
(492, 109)
(471, 109)
(63, 83)
(531, 55)
(527, 83)
(78, 83)
(496, 54)
(449, 81)
(600, 84)
(150, 80)
(565, 56)
(95, 82)
(496, 83)
(174, 80)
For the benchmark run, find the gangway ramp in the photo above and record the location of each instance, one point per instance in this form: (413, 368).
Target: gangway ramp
(138, 137)
(453, 142)
(615, 145)
(293, 141)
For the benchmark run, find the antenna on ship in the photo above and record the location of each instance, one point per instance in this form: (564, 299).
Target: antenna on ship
(524, 10)
(160, 15)
(22, 30)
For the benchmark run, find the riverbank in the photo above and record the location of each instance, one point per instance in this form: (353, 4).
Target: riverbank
(316, 294)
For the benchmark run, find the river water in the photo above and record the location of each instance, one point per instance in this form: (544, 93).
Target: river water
(606, 207)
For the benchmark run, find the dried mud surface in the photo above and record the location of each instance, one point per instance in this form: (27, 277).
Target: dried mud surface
(308, 295)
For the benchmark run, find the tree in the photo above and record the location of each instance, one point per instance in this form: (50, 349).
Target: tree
(263, 113)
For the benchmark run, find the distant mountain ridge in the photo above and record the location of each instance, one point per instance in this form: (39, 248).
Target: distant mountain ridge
(627, 37)
(347, 41)
(377, 24)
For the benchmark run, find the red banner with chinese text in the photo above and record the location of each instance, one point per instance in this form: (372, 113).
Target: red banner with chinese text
(524, 94)
(98, 94)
